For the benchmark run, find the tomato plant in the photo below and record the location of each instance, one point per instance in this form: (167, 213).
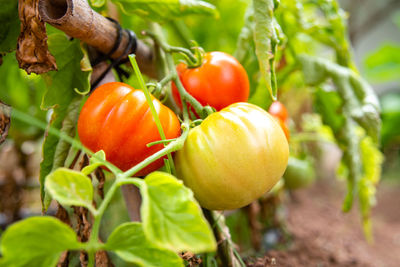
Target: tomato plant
(117, 119)
(220, 81)
(233, 157)
(228, 158)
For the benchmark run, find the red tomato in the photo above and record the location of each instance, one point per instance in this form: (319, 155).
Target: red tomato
(284, 127)
(277, 109)
(117, 119)
(218, 82)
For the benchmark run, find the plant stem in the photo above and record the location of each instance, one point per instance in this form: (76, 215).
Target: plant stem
(228, 254)
(185, 96)
(135, 66)
(91, 255)
(171, 147)
(193, 61)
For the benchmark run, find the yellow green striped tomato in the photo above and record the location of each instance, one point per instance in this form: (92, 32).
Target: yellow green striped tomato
(233, 157)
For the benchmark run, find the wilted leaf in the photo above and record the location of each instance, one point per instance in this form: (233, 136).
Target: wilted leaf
(32, 51)
(266, 41)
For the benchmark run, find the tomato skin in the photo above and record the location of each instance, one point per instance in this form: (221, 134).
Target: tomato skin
(220, 81)
(299, 173)
(277, 109)
(284, 127)
(117, 119)
(233, 157)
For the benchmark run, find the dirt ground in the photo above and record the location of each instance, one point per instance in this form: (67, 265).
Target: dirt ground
(324, 236)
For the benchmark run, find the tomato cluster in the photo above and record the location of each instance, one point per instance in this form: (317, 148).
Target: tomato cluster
(230, 159)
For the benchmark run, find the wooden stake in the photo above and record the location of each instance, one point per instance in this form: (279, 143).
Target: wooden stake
(77, 19)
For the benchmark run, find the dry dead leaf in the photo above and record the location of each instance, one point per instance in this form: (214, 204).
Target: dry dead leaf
(32, 50)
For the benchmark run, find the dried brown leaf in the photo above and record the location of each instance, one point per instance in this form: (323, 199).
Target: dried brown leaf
(191, 258)
(32, 50)
(5, 121)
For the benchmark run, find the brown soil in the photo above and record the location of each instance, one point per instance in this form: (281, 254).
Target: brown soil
(324, 236)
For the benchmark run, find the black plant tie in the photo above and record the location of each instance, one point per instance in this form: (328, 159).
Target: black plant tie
(123, 58)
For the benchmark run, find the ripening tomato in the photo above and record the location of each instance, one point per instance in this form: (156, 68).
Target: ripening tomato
(220, 81)
(277, 109)
(117, 119)
(299, 173)
(233, 157)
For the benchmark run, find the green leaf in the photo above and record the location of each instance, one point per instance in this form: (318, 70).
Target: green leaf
(97, 3)
(383, 65)
(73, 75)
(266, 41)
(37, 241)
(24, 93)
(94, 162)
(162, 10)
(171, 217)
(9, 25)
(129, 242)
(70, 188)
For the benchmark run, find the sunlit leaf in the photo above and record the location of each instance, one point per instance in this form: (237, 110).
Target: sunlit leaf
(37, 241)
(129, 242)
(70, 188)
(171, 217)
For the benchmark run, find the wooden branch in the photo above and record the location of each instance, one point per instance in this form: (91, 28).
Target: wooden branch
(77, 19)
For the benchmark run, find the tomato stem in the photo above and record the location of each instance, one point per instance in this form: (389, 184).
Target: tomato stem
(185, 96)
(166, 141)
(226, 251)
(171, 147)
(170, 163)
(194, 60)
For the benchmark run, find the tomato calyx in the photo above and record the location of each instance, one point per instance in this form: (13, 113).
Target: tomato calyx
(198, 55)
